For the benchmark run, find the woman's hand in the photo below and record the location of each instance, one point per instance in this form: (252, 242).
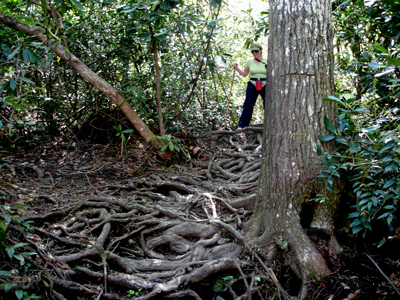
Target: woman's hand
(242, 73)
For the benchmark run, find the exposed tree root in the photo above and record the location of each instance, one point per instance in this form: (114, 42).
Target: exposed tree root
(160, 237)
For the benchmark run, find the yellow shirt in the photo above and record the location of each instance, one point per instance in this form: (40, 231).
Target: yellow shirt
(257, 71)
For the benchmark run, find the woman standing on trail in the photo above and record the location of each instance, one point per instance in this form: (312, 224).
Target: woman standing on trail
(256, 67)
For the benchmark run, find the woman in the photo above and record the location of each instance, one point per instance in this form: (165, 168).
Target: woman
(256, 67)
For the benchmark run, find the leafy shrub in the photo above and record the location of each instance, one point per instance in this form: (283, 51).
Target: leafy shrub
(369, 151)
(170, 143)
(11, 251)
(367, 131)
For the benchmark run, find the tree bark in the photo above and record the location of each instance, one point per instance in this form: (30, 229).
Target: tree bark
(93, 78)
(300, 74)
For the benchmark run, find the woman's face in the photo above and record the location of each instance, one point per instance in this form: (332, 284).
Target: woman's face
(256, 53)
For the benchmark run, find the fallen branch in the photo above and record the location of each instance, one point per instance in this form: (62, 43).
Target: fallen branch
(383, 274)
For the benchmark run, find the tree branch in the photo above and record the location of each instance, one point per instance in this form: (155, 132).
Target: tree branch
(90, 76)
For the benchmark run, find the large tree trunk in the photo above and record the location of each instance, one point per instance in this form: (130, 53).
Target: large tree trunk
(300, 74)
(93, 78)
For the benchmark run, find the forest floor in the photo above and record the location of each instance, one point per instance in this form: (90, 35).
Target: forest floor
(106, 226)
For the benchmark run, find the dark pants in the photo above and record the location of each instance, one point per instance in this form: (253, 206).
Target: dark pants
(248, 105)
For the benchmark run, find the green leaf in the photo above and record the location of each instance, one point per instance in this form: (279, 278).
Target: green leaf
(354, 215)
(5, 273)
(10, 251)
(155, 5)
(78, 4)
(127, 131)
(162, 33)
(390, 207)
(19, 245)
(164, 147)
(354, 148)
(19, 294)
(215, 2)
(357, 229)
(334, 99)
(394, 61)
(325, 138)
(384, 215)
(32, 56)
(171, 147)
(13, 84)
(380, 48)
(11, 56)
(25, 55)
(25, 79)
(381, 242)
(371, 129)
(326, 162)
(35, 57)
(363, 201)
(328, 125)
(341, 140)
(389, 167)
(28, 253)
(389, 183)
(368, 226)
(8, 286)
(365, 194)
(165, 6)
(387, 146)
(19, 257)
(319, 150)
(145, 36)
(355, 223)
(375, 65)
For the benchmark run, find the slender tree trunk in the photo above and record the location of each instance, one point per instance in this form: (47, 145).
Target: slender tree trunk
(159, 106)
(158, 83)
(93, 78)
(300, 74)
